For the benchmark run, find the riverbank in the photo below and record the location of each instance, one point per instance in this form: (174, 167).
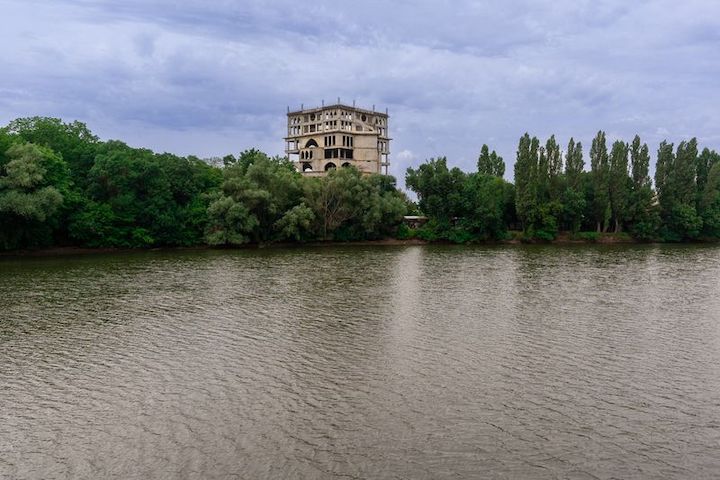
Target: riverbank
(67, 251)
(567, 238)
(563, 239)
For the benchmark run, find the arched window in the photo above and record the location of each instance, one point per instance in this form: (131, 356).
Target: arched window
(311, 143)
(330, 166)
(346, 164)
(306, 167)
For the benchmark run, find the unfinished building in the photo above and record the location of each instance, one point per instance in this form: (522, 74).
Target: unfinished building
(335, 136)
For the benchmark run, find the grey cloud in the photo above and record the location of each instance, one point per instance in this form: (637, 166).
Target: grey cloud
(199, 76)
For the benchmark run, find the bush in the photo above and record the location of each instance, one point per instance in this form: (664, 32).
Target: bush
(427, 233)
(545, 235)
(460, 235)
(586, 236)
(405, 233)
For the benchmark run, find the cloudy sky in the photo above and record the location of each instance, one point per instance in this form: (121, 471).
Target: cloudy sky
(214, 77)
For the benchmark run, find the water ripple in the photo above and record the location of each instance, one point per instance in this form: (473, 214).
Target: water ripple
(413, 362)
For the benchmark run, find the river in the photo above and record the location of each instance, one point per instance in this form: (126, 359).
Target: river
(362, 362)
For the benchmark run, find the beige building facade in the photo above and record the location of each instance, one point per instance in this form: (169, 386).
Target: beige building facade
(335, 136)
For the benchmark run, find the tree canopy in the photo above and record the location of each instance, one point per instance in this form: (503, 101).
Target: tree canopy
(549, 197)
(61, 185)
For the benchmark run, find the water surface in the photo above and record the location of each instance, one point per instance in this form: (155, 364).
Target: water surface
(381, 362)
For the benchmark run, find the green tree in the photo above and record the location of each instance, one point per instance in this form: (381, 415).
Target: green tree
(297, 224)
(534, 178)
(128, 190)
(31, 183)
(552, 200)
(256, 193)
(438, 188)
(708, 185)
(542, 177)
(573, 200)
(229, 160)
(490, 163)
(555, 163)
(642, 213)
(684, 172)
(619, 183)
(663, 166)
(6, 141)
(600, 173)
(351, 206)
(231, 222)
(705, 161)
(486, 199)
(675, 180)
(382, 207)
(526, 184)
(574, 205)
(135, 198)
(574, 163)
(73, 141)
(710, 202)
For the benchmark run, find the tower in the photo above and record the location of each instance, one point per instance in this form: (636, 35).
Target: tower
(335, 136)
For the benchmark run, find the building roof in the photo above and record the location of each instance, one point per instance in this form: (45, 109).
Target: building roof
(338, 105)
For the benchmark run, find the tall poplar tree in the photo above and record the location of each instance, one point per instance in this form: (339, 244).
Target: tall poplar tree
(642, 214)
(600, 174)
(663, 165)
(675, 180)
(573, 198)
(684, 172)
(618, 185)
(542, 176)
(526, 166)
(574, 163)
(708, 186)
(709, 205)
(704, 163)
(554, 163)
(554, 156)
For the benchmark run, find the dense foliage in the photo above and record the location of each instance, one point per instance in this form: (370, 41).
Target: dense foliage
(61, 185)
(549, 196)
(463, 207)
(265, 199)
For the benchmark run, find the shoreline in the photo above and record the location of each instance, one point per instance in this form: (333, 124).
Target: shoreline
(562, 240)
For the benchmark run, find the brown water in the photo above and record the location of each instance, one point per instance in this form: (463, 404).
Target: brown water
(383, 362)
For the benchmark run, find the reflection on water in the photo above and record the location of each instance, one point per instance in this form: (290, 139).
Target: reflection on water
(397, 362)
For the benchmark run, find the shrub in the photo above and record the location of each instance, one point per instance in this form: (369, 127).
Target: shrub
(405, 233)
(586, 236)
